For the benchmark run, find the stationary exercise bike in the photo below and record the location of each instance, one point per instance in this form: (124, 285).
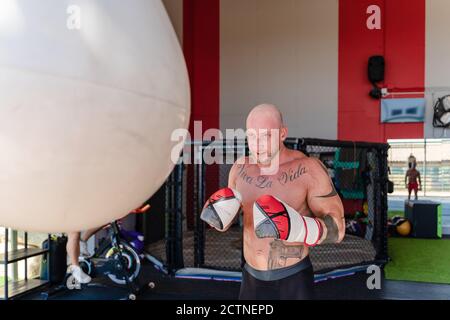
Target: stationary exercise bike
(118, 257)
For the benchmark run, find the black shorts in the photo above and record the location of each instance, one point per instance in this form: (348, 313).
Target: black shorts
(297, 286)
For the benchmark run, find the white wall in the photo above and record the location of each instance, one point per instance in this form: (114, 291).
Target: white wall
(437, 60)
(283, 52)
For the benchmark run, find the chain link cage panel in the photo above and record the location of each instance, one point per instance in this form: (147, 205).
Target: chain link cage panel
(358, 171)
(359, 174)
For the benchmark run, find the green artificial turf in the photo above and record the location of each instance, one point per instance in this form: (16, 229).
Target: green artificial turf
(395, 213)
(423, 260)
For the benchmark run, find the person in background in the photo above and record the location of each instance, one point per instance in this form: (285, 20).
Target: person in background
(77, 246)
(412, 178)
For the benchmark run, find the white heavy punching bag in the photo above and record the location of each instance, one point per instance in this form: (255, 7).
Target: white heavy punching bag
(90, 92)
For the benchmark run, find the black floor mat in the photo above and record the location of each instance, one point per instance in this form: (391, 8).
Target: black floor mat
(169, 288)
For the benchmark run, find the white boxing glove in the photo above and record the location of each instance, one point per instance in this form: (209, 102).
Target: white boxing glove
(222, 208)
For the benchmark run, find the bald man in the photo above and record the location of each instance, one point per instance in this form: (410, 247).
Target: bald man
(289, 204)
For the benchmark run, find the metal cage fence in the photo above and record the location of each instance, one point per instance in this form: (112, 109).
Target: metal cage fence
(358, 170)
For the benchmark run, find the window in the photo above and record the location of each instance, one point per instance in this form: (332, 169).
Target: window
(433, 163)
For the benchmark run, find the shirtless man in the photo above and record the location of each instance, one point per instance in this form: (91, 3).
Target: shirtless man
(289, 203)
(412, 175)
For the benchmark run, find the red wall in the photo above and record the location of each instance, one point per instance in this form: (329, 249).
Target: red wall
(201, 45)
(201, 42)
(401, 41)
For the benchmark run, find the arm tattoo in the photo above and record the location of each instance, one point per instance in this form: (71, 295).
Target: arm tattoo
(332, 230)
(279, 253)
(333, 190)
(331, 194)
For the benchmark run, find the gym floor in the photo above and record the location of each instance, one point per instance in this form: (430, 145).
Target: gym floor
(351, 287)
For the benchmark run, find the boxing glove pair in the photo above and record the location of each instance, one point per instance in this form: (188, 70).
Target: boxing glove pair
(272, 218)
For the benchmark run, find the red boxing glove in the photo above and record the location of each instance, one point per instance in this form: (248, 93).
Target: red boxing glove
(221, 208)
(272, 218)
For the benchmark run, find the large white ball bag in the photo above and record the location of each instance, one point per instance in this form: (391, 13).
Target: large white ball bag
(90, 92)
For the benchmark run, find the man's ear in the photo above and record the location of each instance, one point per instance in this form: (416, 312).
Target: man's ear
(284, 133)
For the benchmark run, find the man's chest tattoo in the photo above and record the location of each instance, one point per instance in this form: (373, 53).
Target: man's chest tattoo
(291, 175)
(264, 182)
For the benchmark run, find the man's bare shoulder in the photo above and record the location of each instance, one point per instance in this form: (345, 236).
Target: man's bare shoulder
(319, 181)
(297, 155)
(313, 165)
